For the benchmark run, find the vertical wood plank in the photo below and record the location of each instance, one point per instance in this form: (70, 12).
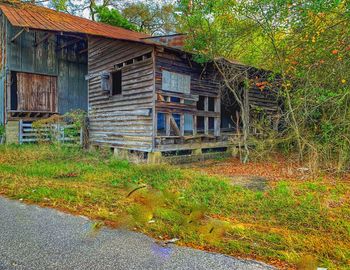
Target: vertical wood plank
(194, 125)
(155, 97)
(206, 125)
(36, 92)
(217, 121)
(206, 104)
(182, 125)
(8, 91)
(167, 124)
(20, 131)
(206, 119)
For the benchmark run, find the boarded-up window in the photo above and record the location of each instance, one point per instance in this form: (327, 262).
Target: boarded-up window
(176, 82)
(36, 93)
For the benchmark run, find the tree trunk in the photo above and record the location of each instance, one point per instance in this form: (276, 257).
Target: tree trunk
(245, 122)
(242, 101)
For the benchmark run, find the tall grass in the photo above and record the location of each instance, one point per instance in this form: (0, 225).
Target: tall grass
(290, 221)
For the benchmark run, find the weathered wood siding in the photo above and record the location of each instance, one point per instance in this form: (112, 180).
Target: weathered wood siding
(120, 121)
(202, 83)
(66, 64)
(36, 92)
(2, 67)
(265, 100)
(187, 124)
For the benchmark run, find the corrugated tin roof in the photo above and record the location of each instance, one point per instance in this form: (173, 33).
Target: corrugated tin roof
(41, 18)
(174, 41)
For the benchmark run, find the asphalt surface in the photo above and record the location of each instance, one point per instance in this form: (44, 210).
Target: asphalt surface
(39, 238)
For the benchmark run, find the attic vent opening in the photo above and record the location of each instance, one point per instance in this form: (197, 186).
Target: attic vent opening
(134, 60)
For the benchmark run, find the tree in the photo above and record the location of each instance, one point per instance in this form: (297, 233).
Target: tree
(306, 43)
(211, 38)
(113, 17)
(79, 8)
(151, 16)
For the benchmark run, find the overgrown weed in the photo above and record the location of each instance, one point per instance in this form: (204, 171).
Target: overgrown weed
(288, 222)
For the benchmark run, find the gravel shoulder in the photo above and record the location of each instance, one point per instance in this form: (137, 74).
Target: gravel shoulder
(32, 237)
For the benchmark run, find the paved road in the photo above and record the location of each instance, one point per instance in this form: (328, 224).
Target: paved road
(38, 238)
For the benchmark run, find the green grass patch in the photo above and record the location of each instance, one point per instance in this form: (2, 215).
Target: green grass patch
(290, 221)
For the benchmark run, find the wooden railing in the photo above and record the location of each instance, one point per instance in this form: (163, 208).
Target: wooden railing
(51, 132)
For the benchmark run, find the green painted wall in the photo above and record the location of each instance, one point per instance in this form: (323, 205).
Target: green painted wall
(69, 66)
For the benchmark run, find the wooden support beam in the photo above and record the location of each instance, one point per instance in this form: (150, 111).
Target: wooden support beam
(206, 119)
(73, 36)
(67, 44)
(206, 104)
(174, 125)
(48, 35)
(167, 124)
(194, 125)
(179, 95)
(217, 123)
(206, 125)
(182, 125)
(83, 51)
(19, 33)
(170, 121)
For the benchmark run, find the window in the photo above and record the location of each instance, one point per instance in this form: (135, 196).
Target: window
(200, 124)
(211, 104)
(177, 118)
(189, 102)
(188, 124)
(200, 103)
(161, 125)
(175, 99)
(211, 123)
(116, 82)
(176, 82)
(173, 129)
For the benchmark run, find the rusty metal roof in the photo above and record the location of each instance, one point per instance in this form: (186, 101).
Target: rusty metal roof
(41, 18)
(174, 41)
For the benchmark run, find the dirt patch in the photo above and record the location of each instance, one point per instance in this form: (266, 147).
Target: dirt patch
(255, 183)
(272, 170)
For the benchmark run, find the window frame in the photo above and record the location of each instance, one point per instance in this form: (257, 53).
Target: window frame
(120, 83)
(183, 82)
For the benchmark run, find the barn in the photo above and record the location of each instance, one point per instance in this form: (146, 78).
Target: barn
(143, 95)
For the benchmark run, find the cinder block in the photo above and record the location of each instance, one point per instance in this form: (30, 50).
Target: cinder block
(121, 153)
(154, 158)
(12, 132)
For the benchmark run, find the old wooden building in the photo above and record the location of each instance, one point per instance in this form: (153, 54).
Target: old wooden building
(143, 94)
